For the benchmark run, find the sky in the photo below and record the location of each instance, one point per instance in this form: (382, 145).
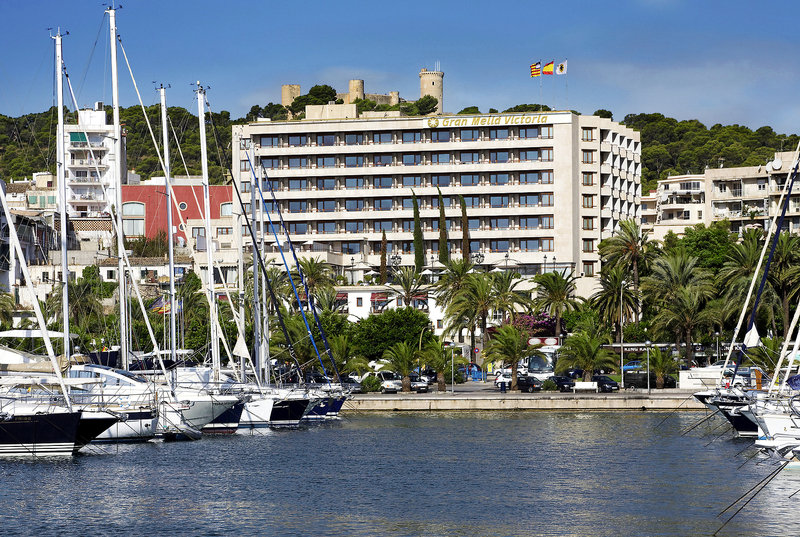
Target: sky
(730, 62)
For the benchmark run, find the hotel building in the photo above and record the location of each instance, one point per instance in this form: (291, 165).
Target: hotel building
(541, 189)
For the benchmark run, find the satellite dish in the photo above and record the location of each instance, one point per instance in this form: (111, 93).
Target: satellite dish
(776, 164)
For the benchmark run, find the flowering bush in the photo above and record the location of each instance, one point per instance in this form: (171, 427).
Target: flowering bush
(539, 324)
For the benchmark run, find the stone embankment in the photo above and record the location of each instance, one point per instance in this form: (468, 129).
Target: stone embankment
(662, 400)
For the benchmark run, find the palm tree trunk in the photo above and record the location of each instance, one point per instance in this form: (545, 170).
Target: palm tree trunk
(406, 384)
(440, 380)
(689, 348)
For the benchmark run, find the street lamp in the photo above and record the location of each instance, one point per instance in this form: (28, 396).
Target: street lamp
(554, 262)
(545, 264)
(352, 270)
(621, 338)
(395, 260)
(477, 258)
(506, 260)
(647, 344)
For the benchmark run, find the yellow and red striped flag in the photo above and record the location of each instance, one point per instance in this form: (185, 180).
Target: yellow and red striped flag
(536, 69)
(548, 68)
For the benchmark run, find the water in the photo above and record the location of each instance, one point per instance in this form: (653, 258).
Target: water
(457, 474)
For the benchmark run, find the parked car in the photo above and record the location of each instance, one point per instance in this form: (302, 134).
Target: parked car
(638, 379)
(632, 365)
(418, 384)
(350, 384)
(502, 377)
(390, 381)
(605, 383)
(529, 383)
(564, 384)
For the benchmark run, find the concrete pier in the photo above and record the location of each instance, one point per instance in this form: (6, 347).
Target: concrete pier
(661, 400)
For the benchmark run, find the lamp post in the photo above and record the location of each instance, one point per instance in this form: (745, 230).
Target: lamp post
(352, 270)
(647, 344)
(621, 338)
(716, 335)
(477, 258)
(545, 264)
(395, 260)
(554, 262)
(506, 256)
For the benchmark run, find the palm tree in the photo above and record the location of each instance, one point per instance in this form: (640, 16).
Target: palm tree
(438, 357)
(509, 345)
(317, 275)
(326, 300)
(509, 298)
(613, 300)
(629, 247)
(676, 270)
(784, 274)
(661, 365)
(585, 351)
(765, 355)
(343, 354)
(555, 294)
(451, 280)
(683, 315)
(475, 301)
(402, 359)
(7, 308)
(407, 284)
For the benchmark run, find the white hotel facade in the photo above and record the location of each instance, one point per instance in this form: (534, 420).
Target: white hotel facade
(541, 189)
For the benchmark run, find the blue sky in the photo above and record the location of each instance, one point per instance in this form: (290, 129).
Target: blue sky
(719, 62)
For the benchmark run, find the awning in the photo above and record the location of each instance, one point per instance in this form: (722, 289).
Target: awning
(379, 297)
(341, 296)
(77, 137)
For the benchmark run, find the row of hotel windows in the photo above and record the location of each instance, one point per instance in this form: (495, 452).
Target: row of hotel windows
(544, 177)
(544, 199)
(407, 159)
(405, 137)
(406, 225)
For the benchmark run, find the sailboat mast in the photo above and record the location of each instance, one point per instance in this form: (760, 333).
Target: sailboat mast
(62, 188)
(256, 305)
(212, 303)
(170, 249)
(118, 165)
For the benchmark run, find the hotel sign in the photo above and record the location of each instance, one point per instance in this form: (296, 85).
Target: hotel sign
(496, 120)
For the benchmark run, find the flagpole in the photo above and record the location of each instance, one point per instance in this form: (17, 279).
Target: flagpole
(541, 76)
(566, 82)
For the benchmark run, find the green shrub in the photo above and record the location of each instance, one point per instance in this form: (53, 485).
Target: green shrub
(549, 386)
(371, 384)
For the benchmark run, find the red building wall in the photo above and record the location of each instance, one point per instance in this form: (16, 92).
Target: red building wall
(154, 199)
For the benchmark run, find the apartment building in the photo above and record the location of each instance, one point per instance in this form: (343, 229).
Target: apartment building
(541, 189)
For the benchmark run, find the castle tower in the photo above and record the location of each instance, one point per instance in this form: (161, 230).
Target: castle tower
(289, 92)
(356, 90)
(430, 83)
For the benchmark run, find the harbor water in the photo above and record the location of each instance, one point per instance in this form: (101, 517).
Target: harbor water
(439, 474)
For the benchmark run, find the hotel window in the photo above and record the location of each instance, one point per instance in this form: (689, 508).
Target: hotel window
(407, 247)
(408, 225)
(271, 163)
(587, 134)
(472, 179)
(326, 206)
(270, 141)
(530, 245)
(499, 245)
(474, 223)
(472, 201)
(132, 227)
(588, 201)
(411, 137)
(587, 157)
(359, 302)
(588, 178)
(547, 154)
(526, 133)
(470, 157)
(412, 180)
(326, 227)
(297, 227)
(382, 138)
(354, 226)
(588, 268)
(498, 223)
(498, 201)
(588, 245)
(353, 161)
(722, 187)
(440, 158)
(547, 200)
(411, 159)
(439, 323)
(351, 183)
(475, 246)
(297, 206)
(226, 209)
(529, 200)
(382, 225)
(354, 205)
(351, 248)
(221, 231)
(529, 155)
(547, 222)
(382, 204)
(297, 140)
(326, 162)
(247, 208)
(198, 232)
(435, 202)
(762, 184)
(440, 180)
(244, 143)
(244, 166)
(326, 139)
(498, 156)
(298, 162)
(470, 135)
(547, 131)
(588, 223)
(547, 245)
(440, 136)
(327, 183)
(498, 179)
(353, 139)
(530, 178)
(546, 177)
(498, 134)
(529, 222)
(408, 203)
(384, 181)
(297, 184)
(382, 160)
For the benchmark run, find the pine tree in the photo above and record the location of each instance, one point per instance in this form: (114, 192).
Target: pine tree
(384, 272)
(464, 228)
(444, 250)
(419, 245)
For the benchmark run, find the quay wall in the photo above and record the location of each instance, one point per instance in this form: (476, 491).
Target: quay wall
(521, 402)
